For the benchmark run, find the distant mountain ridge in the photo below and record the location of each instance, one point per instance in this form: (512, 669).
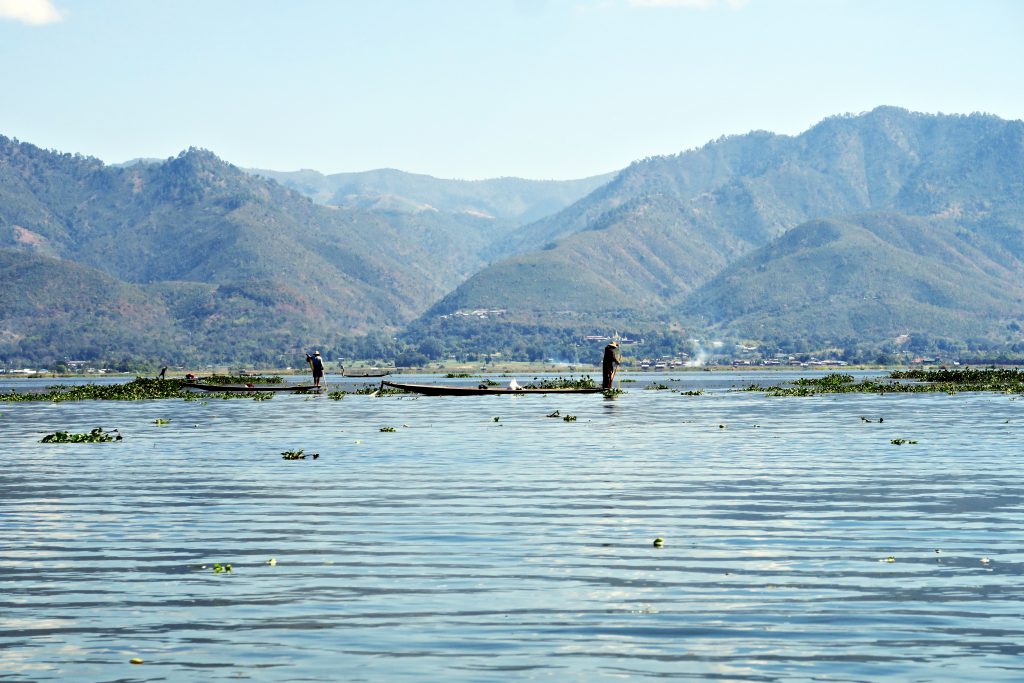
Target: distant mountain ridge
(513, 201)
(235, 262)
(636, 248)
(863, 228)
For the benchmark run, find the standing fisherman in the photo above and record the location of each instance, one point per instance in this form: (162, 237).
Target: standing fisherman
(610, 364)
(316, 364)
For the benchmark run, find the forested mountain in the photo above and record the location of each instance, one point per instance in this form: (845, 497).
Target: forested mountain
(239, 263)
(865, 277)
(635, 249)
(860, 230)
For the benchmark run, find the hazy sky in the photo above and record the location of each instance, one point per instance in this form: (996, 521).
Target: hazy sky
(483, 88)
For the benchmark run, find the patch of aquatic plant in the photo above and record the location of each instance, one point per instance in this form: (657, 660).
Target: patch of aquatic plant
(831, 380)
(584, 382)
(457, 375)
(907, 381)
(243, 379)
(569, 418)
(989, 379)
(697, 392)
(374, 389)
(161, 421)
(97, 435)
(609, 393)
(219, 568)
(336, 395)
(900, 442)
(656, 386)
(298, 455)
(387, 429)
(139, 389)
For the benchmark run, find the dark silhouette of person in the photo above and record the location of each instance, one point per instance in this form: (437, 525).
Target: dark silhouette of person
(610, 364)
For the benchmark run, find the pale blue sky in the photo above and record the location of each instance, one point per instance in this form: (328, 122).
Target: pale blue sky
(483, 88)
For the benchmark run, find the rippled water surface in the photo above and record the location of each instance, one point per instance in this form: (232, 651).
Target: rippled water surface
(485, 541)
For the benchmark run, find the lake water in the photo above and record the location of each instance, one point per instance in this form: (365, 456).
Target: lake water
(485, 541)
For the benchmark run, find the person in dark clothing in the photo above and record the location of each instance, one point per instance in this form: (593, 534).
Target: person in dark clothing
(316, 364)
(610, 364)
(163, 372)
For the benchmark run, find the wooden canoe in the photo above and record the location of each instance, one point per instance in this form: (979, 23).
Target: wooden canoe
(442, 390)
(256, 387)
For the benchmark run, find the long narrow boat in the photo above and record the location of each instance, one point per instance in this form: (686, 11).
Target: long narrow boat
(443, 390)
(253, 387)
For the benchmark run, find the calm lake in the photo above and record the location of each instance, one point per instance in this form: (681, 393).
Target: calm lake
(483, 540)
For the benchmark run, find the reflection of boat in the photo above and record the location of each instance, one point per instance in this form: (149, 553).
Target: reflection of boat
(442, 390)
(251, 387)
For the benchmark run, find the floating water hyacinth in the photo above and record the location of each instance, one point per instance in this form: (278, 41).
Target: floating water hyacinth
(139, 389)
(298, 455)
(97, 435)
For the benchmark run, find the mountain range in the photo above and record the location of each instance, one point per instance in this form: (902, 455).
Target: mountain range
(870, 226)
(862, 229)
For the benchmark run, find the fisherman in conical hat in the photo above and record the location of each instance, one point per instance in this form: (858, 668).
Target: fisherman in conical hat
(610, 364)
(316, 364)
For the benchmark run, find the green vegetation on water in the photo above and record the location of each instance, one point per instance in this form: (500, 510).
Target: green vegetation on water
(905, 381)
(584, 382)
(139, 389)
(97, 435)
(298, 455)
(221, 380)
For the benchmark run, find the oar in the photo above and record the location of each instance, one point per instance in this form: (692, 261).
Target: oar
(379, 389)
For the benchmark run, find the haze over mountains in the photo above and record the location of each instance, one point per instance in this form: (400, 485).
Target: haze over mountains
(863, 228)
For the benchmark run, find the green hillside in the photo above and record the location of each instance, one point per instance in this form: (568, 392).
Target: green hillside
(236, 264)
(55, 309)
(863, 229)
(666, 226)
(870, 278)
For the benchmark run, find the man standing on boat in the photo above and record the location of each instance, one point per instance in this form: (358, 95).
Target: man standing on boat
(316, 364)
(610, 364)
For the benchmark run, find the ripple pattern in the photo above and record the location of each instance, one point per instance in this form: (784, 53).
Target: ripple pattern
(801, 544)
